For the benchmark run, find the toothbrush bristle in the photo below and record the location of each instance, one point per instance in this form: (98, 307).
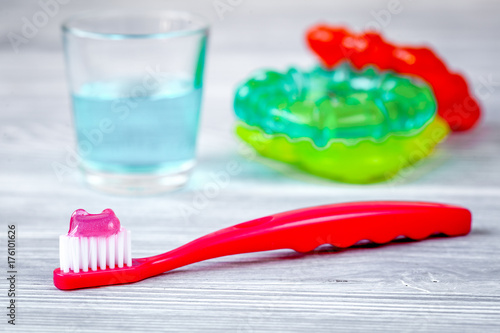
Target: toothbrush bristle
(90, 253)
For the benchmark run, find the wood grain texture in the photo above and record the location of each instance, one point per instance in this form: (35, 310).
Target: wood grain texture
(440, 284)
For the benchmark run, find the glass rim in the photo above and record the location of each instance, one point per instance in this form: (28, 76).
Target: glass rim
(70, 24)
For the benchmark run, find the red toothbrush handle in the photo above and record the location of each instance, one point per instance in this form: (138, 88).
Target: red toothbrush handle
(303, 230)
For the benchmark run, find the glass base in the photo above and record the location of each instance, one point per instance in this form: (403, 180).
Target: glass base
(138, 183)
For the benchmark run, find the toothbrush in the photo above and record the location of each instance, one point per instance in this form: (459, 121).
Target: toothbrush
(97, 250)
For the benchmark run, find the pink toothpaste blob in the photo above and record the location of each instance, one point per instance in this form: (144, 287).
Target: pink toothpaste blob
(83, 224)
(94, 242)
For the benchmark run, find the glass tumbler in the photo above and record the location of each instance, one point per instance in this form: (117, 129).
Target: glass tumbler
(136, 83)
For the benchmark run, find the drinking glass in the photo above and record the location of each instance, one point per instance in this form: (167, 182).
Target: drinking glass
(136, 84)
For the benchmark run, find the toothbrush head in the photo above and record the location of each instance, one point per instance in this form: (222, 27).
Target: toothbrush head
(96, 243)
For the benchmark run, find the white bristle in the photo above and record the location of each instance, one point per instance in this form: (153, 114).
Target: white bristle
(84, 253)
(111, 251)
(101, 252)
(63, 253)
(93, 253)
(75, 253)
(119, 249)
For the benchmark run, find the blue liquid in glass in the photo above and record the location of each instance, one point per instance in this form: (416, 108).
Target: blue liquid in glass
(134, 127)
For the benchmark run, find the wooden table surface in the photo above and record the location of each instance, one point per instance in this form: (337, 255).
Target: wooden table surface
(441, 284)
